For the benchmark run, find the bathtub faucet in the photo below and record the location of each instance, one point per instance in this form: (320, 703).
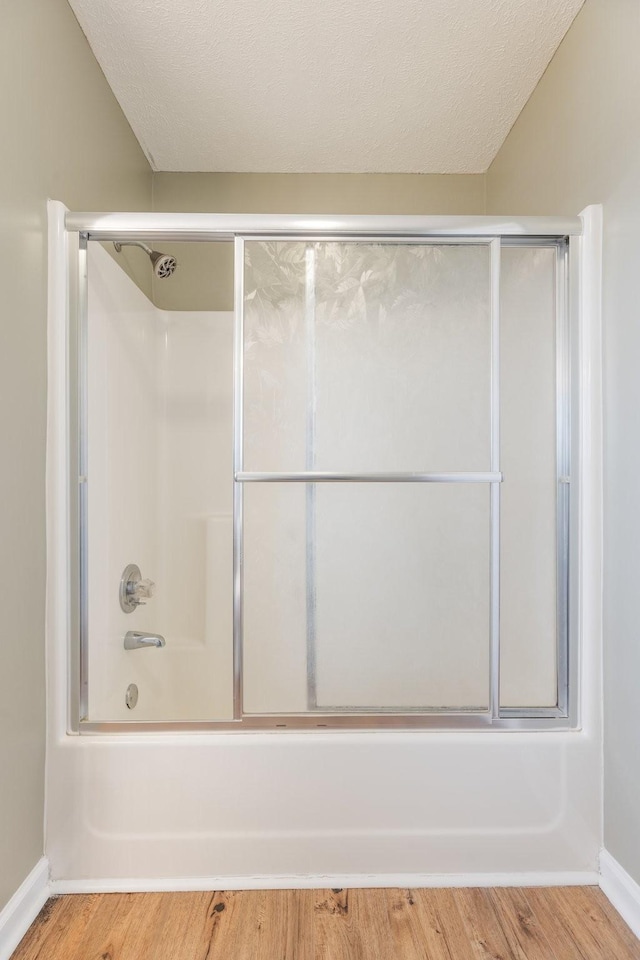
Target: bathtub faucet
(134, 640)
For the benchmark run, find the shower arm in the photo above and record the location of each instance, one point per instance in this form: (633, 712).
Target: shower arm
(119, 244)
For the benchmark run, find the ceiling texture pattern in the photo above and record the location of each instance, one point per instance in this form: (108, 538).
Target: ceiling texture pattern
(339, 86)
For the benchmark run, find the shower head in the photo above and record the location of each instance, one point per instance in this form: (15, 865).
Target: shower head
(163, 264)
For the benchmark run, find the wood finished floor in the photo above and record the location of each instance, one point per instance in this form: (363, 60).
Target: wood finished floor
(559, 923)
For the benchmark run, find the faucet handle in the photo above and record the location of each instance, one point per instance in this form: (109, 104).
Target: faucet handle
(133, 589)
(141, 590)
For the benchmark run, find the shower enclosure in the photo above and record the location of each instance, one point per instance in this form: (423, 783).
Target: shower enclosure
(353, 494)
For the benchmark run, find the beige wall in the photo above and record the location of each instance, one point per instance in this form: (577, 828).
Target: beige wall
(205, 278)
(577, 142)
(63, 136)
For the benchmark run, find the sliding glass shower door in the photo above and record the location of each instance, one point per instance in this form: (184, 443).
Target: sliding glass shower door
(353, 498)
(369, 477)
(367, 458)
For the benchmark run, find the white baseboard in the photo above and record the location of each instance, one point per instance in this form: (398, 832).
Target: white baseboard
(621, 890)
(24, 906)
(323, 882)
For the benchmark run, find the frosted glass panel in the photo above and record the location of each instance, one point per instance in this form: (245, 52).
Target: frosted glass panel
(528, 642)
(362, 596)
(365, 356)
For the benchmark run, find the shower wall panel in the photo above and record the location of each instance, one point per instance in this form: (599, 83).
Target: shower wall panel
(159, 495)
(195, 508)
(122, 468)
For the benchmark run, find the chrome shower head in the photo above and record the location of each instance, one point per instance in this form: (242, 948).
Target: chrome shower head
(163, 264)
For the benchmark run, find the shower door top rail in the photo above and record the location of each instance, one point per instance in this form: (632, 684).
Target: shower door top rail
(328, 476)
(226, 226)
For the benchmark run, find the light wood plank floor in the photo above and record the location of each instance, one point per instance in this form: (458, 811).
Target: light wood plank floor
(558, 923)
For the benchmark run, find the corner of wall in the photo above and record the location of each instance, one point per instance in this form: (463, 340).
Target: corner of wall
(23, 908)
(621, 890)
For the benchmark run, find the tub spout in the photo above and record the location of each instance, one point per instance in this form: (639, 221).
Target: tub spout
(134, 640)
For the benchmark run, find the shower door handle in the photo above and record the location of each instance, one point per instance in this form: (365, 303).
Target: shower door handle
(135, 640)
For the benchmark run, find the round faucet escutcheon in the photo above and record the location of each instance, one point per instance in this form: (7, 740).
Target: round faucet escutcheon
(134, 591)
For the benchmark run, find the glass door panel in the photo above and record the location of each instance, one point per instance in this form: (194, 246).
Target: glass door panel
(528, 424)
(366, 356)
(366, 597)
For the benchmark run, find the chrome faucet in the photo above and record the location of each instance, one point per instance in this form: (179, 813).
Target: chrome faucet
(135, 640)
(134, 591)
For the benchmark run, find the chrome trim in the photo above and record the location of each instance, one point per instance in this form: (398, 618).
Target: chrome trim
(411, 239)
(372, 710)
(73, 674)
(573, 491)
(207, 226)
(532, 713)
(80, 475)
(494, 638)
(551, 241)
(139, 640)
(310, 488)
(134, 591)
(377, 239)
(335, 724)
(435, 240)
(238, 491)
(563, 467)
(535, 719)
(327, 476)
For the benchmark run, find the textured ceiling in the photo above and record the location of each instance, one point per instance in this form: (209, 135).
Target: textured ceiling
(417, 86)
